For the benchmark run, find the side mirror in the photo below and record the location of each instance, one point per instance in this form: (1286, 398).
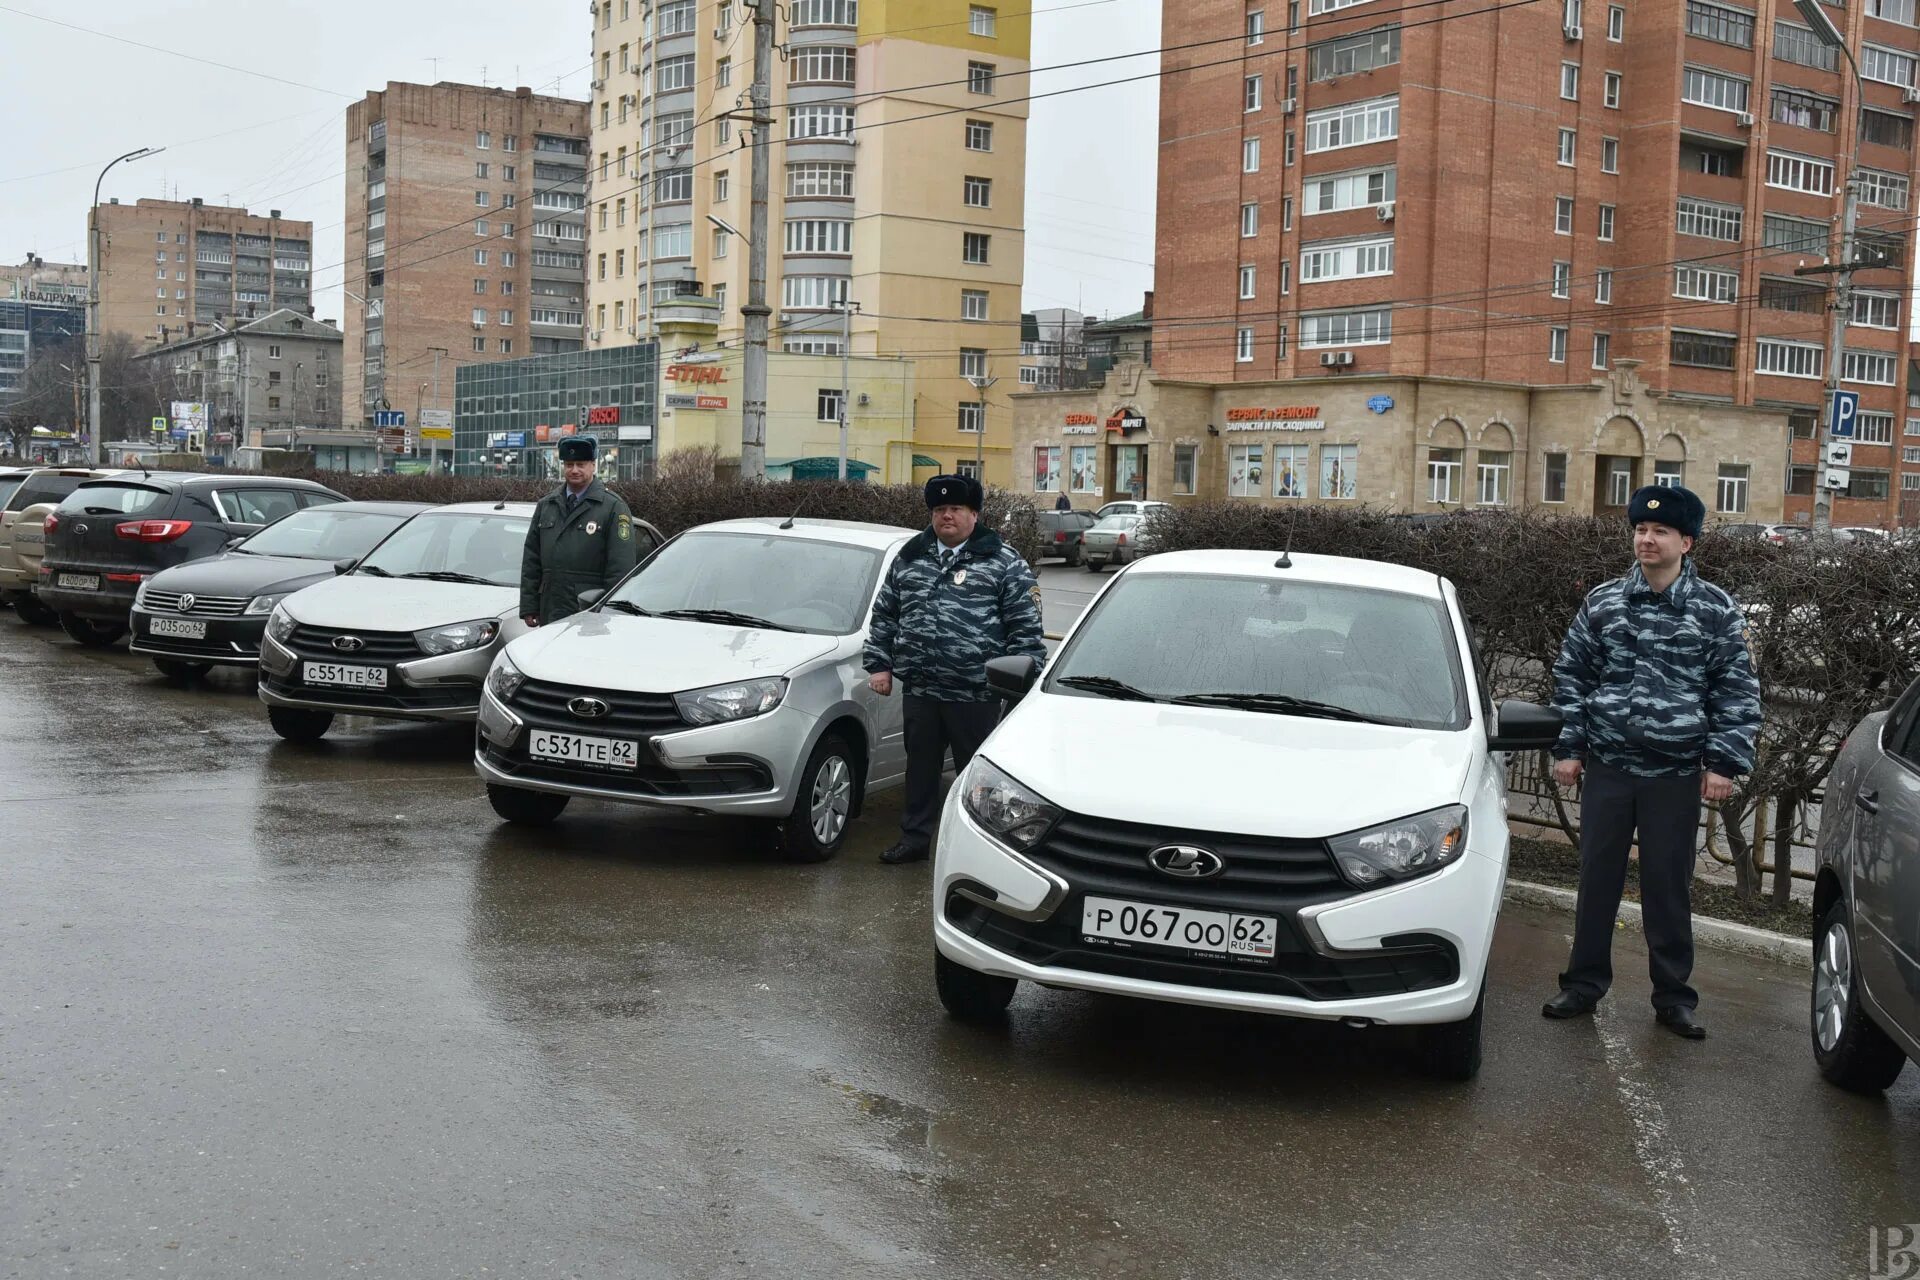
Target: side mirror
(1012, 678)
(1524, 726)
(344, 566)
(588, 599)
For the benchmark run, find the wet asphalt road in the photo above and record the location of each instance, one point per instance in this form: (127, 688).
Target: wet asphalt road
(280, 1011)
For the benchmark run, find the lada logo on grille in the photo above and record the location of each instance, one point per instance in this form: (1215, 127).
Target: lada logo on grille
(187, 602)
(1185, 862)
(588, 708)
(349, 644)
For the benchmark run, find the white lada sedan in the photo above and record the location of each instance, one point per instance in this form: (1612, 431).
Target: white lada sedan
(1303, 809)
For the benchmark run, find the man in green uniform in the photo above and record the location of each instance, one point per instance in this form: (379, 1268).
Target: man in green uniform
(581, 539)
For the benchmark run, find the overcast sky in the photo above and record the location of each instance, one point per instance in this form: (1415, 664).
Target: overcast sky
(74, 100)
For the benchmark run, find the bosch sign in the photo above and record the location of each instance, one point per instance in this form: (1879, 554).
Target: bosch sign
(605, 416)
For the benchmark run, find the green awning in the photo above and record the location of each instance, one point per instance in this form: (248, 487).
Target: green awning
(825, 468)
(922, 460)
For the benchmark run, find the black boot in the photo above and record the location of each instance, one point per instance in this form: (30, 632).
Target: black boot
(1679, 1020)
(1569, 1004)
(902, 851)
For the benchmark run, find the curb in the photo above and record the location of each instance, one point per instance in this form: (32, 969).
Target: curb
(1722, 935)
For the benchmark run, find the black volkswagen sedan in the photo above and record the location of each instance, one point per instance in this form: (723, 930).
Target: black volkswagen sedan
(108, 536)
(212, 612)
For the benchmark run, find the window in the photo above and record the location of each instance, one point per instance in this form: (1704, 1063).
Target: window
(1570, 81)
(1185, 467)
(1733, 488)
(1250, 155)
(479, 315)
(1046, 468)
(1246, 470)
(1788, 359)
(1790, 106)
(601, 273)
(619, 263)
(1798, 45)
(1707, 219)
(981, 21)
(979, 135)
(977, 193)
(1286, 213)
(828, 121)
(1557, 345)
(1794, 235)
(1873, 428)
(1602, 349)
(1888, 66)
(813, 293)
(724, 16)
(819, 64)
(1603, 285)
(506, 317)
(1370, 327)
(673, 240)
(1286, 278)
(1886, 129)
(553, 315)
(1562, 279)
(1720, 24)
(980, 76)
(973, 304)
(672, 187)
(480, 199)
(723, 73)
(1870, 485)
(479, 286)
(1563, 215)
(1346, 260)
(512, 143)
(1249, 221)
(1350, 55)
(1911, 454)
(1339, 468)
(1256, 26)
(553, 230)
(483, 140)
(1443, 474)
(1874, 368)
(1570, 12)
(1610, 90)
(1885, 190)
(1609, 155)
(1246, 283)
(829, 403)
(1669, 473)
(670, 75)
(1792, 172)
(1875, 310)
(1619, 482)
(1553, 478)
(1243, 345)
(819, 178)
(972, 415)
(1568, 144)
(1606, 222)
(1705, 284)
(1353, 124)
(1616, 23)
(973, 248)
(1495, 473)
(1705, 88)
(479, 228)
(1900, 11)
(824, 13)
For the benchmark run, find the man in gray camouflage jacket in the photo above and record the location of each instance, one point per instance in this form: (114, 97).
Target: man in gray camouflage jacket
(954, 597)
(1660, 709)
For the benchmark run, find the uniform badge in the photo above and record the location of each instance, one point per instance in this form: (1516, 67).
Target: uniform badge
(593, 527)
(959, 577)
(1653, 504)
(623, 528)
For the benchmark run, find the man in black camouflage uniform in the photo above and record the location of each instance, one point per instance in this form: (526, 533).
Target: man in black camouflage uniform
(1661, 709)
(954, 597)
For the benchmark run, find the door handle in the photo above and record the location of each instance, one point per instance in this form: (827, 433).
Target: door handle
(1867, 801)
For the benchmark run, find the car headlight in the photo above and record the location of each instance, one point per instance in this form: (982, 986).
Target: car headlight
(140, 594)
(1011, 811)
(724, 702)
(1402, 849)
(263, 604)
(505, 679)
(459, 636)
(280, 625)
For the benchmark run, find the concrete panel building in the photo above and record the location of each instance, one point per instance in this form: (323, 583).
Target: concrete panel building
(465, 238)
(1530, 195)
(898, 172)
(279, 372)
(172, 269)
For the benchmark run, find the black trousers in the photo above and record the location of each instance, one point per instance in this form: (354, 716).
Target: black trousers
(933, 727)
(1666, 812)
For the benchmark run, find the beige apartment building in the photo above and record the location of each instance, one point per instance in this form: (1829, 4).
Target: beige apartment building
(465, 238)
(37, 280)
(898, 169)
(173, 269)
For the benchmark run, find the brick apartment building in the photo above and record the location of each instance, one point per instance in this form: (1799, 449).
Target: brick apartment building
(465, 238)
(1525, 197)
(173, 269)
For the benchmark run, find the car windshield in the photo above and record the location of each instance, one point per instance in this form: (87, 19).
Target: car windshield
(323, 533)
(7, 486)
(1270, 645)
(799, 584)
(482, 547)
(112, 499)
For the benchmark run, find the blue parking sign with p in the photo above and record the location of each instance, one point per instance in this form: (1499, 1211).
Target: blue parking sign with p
(1842, 413)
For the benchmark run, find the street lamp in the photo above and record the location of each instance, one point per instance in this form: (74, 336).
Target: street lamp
(93, 303)
(980, 441)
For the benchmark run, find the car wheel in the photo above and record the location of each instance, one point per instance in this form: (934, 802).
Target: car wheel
(1849, 1047)
(297, 725)
(972, 996)
(30, 611)
(823, 810)
(1451, 1050)
(180, 673)
(1073, 557)
(1095, 566)
(525, 808)
(91, 632)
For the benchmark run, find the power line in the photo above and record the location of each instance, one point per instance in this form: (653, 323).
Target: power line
(174, 53)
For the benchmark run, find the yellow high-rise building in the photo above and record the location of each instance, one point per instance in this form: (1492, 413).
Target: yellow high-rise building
(897, 183)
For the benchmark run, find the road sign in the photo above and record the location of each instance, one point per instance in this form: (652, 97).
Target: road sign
(1836, 478)
(430, 432)
(159, 426)
(437, 418)
(1839, 453)
(392, 439)
(389, 418)
(1842, 411)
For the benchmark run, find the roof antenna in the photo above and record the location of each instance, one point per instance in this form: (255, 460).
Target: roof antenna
(788, 522)
(1286, 553)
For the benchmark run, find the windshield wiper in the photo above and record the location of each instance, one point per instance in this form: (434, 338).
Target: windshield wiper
(1108, 687)
(373, 569)
(448, 575)
(627, 606)
(1278, 702)
(725, 617)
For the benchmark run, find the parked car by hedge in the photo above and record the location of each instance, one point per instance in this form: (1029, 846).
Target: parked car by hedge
(1120, 538)
(1060, 534)
(25, 502)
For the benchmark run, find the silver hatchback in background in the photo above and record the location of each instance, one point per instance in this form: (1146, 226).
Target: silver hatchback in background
(722, 676)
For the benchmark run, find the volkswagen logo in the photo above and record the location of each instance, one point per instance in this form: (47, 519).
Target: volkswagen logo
(187, 602)
(349, 644)
(1185, 862)
(588, 708)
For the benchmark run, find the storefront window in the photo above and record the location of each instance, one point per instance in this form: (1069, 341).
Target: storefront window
(1339, 466)
(1246, 464)
(1046, 468)
(1185, 464)
(1290, 463)
(1083, 470)
(1130, 471)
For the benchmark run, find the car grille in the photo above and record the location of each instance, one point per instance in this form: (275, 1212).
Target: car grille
(651, 778)
(399, 697)
(1261, 874)
(212, 647)
(1416, 962)
(628, 714)
(203, 606)
(378, 648)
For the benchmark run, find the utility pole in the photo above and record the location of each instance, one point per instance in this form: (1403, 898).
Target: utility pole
(847, 308)
(93, 304)
(433, 450)
(980, 440)
(753, 422)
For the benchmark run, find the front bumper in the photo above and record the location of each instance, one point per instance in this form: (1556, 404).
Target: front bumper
(230, 641)
(1431, 935)
(442, 688)
(747, 768)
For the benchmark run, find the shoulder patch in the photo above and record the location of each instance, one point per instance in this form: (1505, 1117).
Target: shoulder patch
(623, 527)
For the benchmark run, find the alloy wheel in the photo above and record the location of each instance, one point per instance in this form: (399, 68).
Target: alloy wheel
(1832, 981)
(832, 799)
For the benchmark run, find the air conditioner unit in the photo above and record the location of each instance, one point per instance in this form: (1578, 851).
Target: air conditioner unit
(1288, 106)
(1384, 212)
(1910, 95)
(1572, 31)
(1744, 119)
(593, 335)
(633, 331)
(720, 33)
(864, 398)
(597, 85)
(1336, 359)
